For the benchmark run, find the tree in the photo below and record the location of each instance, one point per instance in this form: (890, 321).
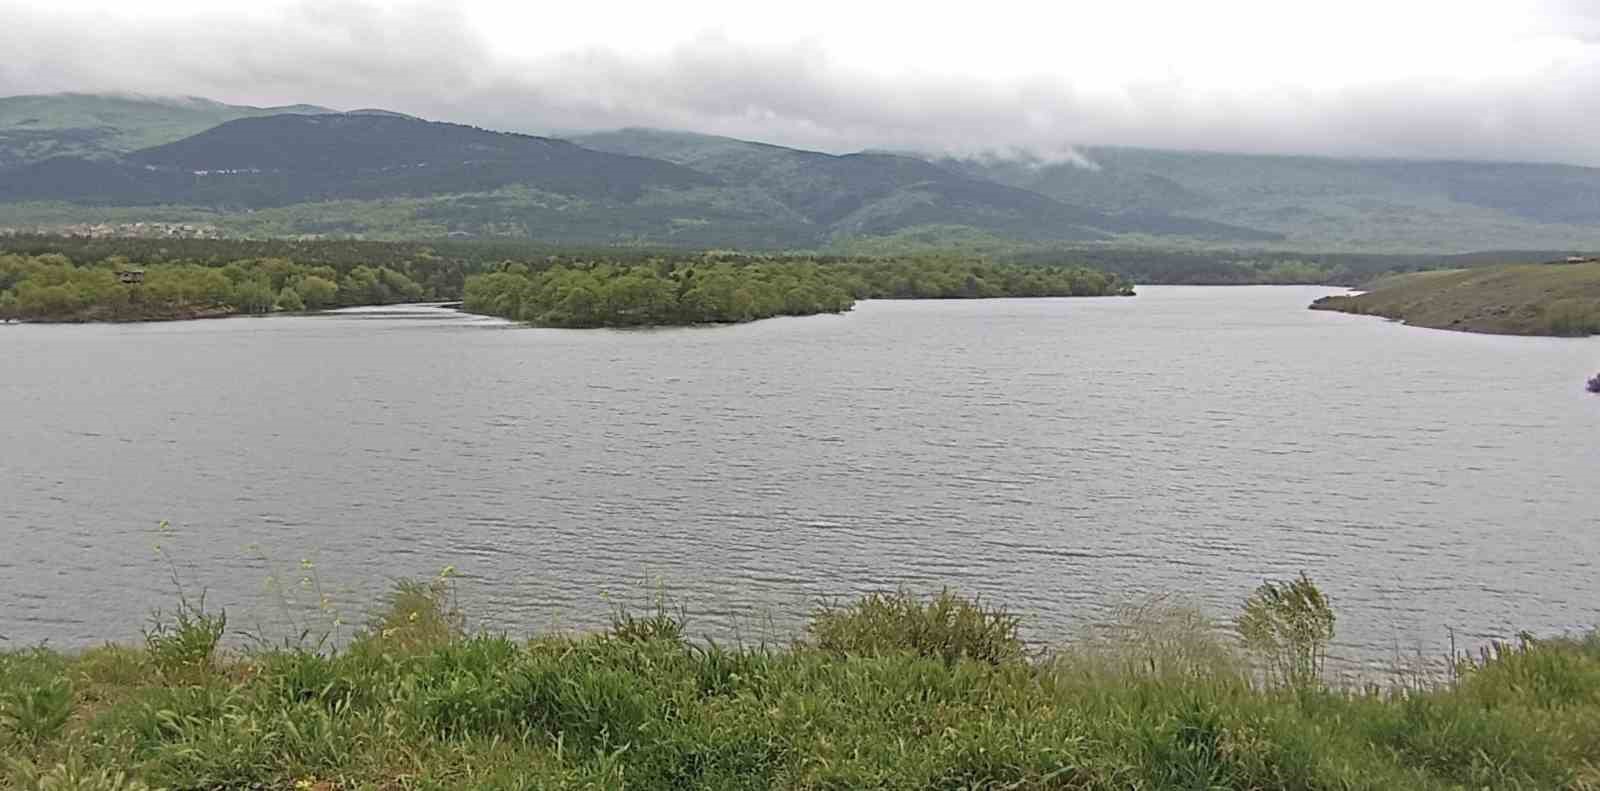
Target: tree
(289, 299)
(578, 307)
(317, 292)
(46, 302)
(363, 286)
(8, 306)
(399, 286)
(253, 296)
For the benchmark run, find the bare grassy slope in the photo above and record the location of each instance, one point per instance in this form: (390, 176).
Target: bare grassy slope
(1534, 299)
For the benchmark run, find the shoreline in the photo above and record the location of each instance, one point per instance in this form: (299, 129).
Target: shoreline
(891, 690)
(1553, 300)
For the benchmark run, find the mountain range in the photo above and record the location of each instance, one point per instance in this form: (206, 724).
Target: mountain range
(298, 170)
(98, 126)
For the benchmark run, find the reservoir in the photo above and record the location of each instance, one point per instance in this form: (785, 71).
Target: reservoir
(1061, 456)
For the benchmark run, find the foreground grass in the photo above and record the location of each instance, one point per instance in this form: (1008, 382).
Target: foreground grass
(1536, 299)
(889, 692)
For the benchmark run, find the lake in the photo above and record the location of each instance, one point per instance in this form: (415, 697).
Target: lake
(1062, 456)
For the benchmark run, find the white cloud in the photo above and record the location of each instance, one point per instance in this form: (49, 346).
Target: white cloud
(1422, 78)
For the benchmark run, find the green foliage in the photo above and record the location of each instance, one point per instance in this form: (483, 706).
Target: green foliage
(660, 622)
(945, 626)
(252, 296)
(716, 289)
(290, 300)
(1552, 673)
(8, 305)
(184, 644)
(1153, 702)
(1288, 625)
(35, 697)
(666, 293)
(317, 292)
(110, 667)
(52, 288)
(418, 615)
(72, 774)
(1157, 638)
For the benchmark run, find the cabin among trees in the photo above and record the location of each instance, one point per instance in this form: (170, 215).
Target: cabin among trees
(130, 277)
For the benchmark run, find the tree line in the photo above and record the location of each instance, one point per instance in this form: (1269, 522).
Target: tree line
(76, 279)
(712, 290)
(441, 266)
(51, 287)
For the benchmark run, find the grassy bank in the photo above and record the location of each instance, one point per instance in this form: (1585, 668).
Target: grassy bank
(1535, 299)
(888, 692)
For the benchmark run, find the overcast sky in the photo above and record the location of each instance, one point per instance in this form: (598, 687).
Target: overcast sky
(1482, 79)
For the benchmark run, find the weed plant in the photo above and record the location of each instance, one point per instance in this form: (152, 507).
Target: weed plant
(892, 691)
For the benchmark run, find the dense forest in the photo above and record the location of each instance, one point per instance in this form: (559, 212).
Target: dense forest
(773, 283)
(441, 266)
(1200, 267)
(51, 287)
(564, 291)
(700, 291)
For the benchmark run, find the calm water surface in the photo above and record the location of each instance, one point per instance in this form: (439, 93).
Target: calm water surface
(1059, 455)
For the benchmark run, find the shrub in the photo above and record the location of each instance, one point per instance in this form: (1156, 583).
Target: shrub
(290, 300)
(1157, 638)
(1154, 701)
(661, 622)
(947, 626)
(252, 296)
(299, 676)
(188, 642)
(1551, 673)
(36, 711)
(1288, 625)
(112, 666)
(418, 615)
(317, 292)
(72, 775)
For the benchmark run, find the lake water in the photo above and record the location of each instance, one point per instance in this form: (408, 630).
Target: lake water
(1059, 455)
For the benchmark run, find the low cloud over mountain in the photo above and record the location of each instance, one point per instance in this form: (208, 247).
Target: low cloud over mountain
(1425, 79)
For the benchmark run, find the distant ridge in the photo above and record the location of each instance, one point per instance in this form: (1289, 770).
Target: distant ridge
(285, 159)
(1392, 204)
(458, 176)
(372, 171)
(385, 113)
(876, 193)
(40, 126)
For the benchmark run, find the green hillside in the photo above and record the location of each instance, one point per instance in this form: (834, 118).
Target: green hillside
(37, 127)
(383, 175)
(873, 194)
(1355, 204)
(1534, 299)
(374, 174)
(286, 159)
